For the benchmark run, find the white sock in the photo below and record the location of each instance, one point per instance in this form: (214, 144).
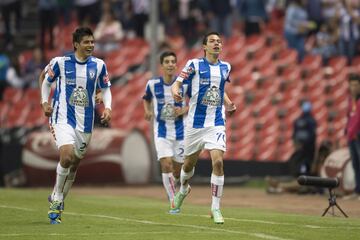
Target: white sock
(184, 177)
(169, 184)
(61, 175)
(69, 182)
(217, 186)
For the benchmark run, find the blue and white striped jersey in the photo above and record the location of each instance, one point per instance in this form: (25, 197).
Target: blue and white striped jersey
(166, 125)
(207, 84)
(76, 83)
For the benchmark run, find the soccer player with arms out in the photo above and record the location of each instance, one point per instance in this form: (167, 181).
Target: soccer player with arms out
(71, 114)
(168, 123)
(205, 126)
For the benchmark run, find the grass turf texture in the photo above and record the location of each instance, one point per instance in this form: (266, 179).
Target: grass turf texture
(23, 215)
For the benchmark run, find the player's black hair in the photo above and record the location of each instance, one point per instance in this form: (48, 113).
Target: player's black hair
(166, 54)
(80, 33)
(205, 39)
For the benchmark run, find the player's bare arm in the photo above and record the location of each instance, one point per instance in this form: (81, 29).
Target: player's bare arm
(175, 90)
(148, 110)
(230, 107)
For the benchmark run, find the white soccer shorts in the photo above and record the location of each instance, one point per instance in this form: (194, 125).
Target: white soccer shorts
(208, 138)
(170, 148)
(64, 134)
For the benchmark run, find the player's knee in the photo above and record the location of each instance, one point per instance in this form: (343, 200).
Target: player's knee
(188, 167)
(166, 165)
(218, 164)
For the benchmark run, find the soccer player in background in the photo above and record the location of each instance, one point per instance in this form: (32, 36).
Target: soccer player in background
(168, 124)
(205, 126)
(71, 113)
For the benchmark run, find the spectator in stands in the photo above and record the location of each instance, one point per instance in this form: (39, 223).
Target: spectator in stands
(33, 68)
(8, 9)
(353, 129)
(325, 43)
(349, 28)
(88, 11)
(297, 25)
(65, 8)
(4, 66)
(304, 138)
(254, 14)
(221, 16)
(187, 21)
(13, 74)
(108, 33)
(141, 10)
(48, 18)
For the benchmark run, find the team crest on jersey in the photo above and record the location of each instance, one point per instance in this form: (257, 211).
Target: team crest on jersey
(92, 74)
(79, 97)
(167, 112)
(212, 97)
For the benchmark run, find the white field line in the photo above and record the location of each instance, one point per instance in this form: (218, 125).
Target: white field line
(257, 235)
(275, 223)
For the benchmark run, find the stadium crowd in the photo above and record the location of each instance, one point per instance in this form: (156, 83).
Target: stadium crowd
(324, 27)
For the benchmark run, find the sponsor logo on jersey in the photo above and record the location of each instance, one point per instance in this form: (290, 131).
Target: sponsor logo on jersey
(204, 81)
(70, 81)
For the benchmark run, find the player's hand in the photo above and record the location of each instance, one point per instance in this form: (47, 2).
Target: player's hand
(106, 116)
(177, 97)
(148, 116)
(175, 90)
(47, 109)
(180, 111)
(98, 97)
(230, 108)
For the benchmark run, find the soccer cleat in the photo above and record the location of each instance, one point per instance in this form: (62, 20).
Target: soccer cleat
(173, 210)
(217, 216)
(54, 212)
(62, 203)
(178, 200)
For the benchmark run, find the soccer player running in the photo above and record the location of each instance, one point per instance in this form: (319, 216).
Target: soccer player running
(205, 126)
(168, 124)
(71, 114)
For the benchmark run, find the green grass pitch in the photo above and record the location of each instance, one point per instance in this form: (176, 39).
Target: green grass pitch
(23, 215)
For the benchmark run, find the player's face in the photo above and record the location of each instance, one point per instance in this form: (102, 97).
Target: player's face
(213, 45)
(354, 88)
(86, 46)
(169, 65)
